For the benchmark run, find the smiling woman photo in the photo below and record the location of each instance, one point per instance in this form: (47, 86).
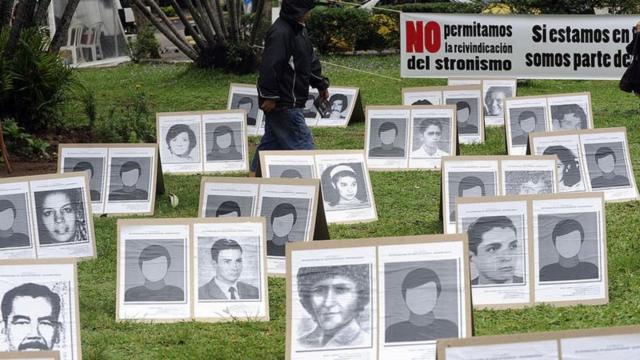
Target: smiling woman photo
(181, 141)
(345, 188)
(61, 217)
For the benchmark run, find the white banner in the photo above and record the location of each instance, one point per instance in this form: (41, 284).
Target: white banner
(521, 46)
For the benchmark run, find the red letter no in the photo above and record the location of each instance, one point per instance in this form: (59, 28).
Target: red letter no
(415, 37)
(432, 36)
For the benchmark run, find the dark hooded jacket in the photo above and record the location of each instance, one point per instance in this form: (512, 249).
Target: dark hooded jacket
(289, 64)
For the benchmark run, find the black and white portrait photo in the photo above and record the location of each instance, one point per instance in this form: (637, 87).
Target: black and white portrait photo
(524, 121)
(607, 166)
(229, 206)
(32, 316)
(568, 117)
(223, 141)
(310, 111)
(130, 179)
(494, 100)
(344, 187)
(339, 106)
(287, 221)
(568, 246)
(61, 217)
(528, 182)
(387, 138)
(181, 144)
(421, 301)
(229, 268)
(14, 226)
(155, 271)
(336, 301)
(568, 168)
(467, 115)
(496, 252)
(291, 171)
(94, 166)
(422, 102)
(431, 137)
(469, 184)
(247, 102)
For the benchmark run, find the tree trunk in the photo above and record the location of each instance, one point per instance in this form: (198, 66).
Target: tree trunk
(6, 6)
(261, 23)
(203, 25)
(165, 20)
(24, 15)
(60, 38)
(140, 19)
(232, 9)
(3, 148)
(220, 13)
(187, 25)
(214, 18)
(41, 12)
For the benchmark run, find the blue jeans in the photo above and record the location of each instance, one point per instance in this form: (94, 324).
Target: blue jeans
(284, 130)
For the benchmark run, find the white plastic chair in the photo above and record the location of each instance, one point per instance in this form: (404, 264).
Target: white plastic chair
(73, 40)
(90, 39)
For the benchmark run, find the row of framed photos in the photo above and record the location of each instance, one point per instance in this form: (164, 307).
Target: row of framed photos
(293, 209)
(344, 104)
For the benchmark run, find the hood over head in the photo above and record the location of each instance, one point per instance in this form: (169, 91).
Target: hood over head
(294, 9)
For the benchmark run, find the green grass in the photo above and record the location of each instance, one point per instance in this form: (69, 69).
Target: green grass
(408, 204)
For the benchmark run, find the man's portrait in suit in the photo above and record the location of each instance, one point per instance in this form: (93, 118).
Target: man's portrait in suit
(227, 259)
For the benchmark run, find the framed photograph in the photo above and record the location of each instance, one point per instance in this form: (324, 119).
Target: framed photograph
(229, 267)
(245, 97)
(342, 103)
(528, 175)
(592, 344)
(524, 115)
(433, 136)
(571, 170)
(44, 292)
(16, 222)
(605, 152)
(180, 141)
(226, 142)
(422, 96)
(93, 160)
(570, 112)
(469, 112)
(299, 164)
(409, 270)
(494, 93)
(387, 137)
(346, 187)
(499, 250)
(153, 270)
(63, 218)
(470, 176)
(570, 257)
(30, 355)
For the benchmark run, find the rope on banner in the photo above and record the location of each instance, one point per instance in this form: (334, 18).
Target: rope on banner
(358, 5)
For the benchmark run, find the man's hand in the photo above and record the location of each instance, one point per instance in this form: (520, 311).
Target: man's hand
(268, 106)
(324, 94)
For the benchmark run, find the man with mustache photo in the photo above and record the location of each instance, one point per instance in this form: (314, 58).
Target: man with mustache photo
(30, 317)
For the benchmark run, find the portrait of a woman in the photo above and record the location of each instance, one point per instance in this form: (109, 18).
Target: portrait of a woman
(223, 145)
(61, 217)
(181, 140)
(345, 188)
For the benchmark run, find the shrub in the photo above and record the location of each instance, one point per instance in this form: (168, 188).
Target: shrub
(169, 11)
(36, 83)
(145, 46)
(439, 7)
(131, 122)
(22, 143)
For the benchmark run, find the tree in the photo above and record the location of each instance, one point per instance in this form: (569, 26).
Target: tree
(222, 35)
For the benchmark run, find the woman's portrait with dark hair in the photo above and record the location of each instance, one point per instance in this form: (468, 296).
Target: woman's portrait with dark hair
(335, 297)
(61, 217)
(339, 104)
(568, 117)
(180, 141)
(10, 236)
(283, 218)
(344, 187)
(86, 166)
(568, 168)
(221, 143)
(229, 209)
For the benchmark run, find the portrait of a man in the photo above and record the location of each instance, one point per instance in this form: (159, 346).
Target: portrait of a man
(31, 318)
(494, 100)
(246, 103)
(130, 173)
(86, 166)
(339, 103)
(283, 217)
(469, 186)
(605, 159)
(495, 251)
(568, 237)
(466, 125)
(568, 117)
(421, 290)
(9, 237)
(527, 122)
(430, 133)
(227, 259)
(387, 136)
(334, 297)
(154, 263)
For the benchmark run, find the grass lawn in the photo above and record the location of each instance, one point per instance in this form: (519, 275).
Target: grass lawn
(408, 204)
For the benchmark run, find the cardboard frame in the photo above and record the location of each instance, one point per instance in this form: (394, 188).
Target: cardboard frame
(156, 178)
(313, 153)
(557, 336)
(31, 208)
(189, 265)
(377, 243)
(203, 141)
(17, 355)
(253, 130)
(76, 311)
(531, 283)
(355, 113)
(409, 133)
(583, 161)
